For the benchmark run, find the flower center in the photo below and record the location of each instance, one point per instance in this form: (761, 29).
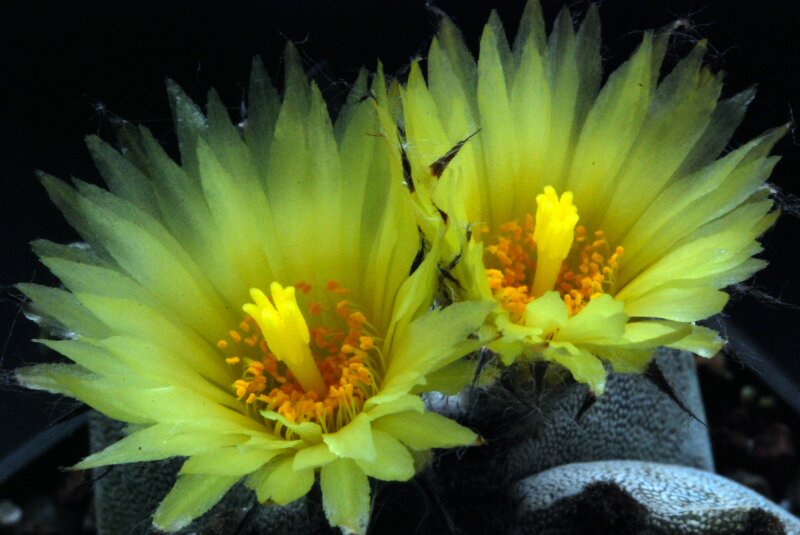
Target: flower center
(318, 367)
(548, 251)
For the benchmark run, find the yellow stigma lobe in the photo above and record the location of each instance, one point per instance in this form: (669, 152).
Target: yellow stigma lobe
(285, 330)
(553, 233)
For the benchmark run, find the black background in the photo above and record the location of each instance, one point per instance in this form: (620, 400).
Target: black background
(68, 69)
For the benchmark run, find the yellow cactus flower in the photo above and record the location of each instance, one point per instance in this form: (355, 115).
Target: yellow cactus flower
(262, 308)
(599, 217)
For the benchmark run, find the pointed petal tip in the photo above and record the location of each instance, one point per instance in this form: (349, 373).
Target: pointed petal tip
(564, 16)
(445, 22)
(257, 63)
(170, 527)
(92, 141)
(291, 55)
(173, 88)
(494, 18)
(213, 98)
(29, 377)
(592, 17)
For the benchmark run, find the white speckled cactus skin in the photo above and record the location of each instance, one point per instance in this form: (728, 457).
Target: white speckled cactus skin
(633, 420)
(678, 499)
(634, 435)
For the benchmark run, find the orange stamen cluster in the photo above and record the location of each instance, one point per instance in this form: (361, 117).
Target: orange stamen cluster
(587, 273)
(514, 254)
(344, 348)
(595, 273)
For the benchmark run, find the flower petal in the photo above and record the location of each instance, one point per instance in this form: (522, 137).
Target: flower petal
(547, 313)
(603, 319)
(281, 483)
(678, 304)
(375, 408)
(702, 341)
(422, 431)
(345, 496)
(432, 341)
(63, 307)
(191, 496)
(313, 457)
(583, 365)
(231, 460)
(392, 460)
(354, 440)
(157, 442)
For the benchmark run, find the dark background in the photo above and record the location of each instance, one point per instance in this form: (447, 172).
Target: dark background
(68, 69)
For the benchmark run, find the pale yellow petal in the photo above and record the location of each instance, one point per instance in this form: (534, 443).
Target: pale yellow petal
(191, 496)
(345, 496)
(355, 440)
(392, 461)
(702, 341)
(63, 307)
(313, 457)
(583, 365)
(157, 442)
(281, 483)
(236, 460)
(422, 431)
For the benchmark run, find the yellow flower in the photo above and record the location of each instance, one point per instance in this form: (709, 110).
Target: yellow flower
(597, 216)
(261, 309)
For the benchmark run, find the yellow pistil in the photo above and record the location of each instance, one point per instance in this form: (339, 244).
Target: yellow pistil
(343, 349)
(516, 262)
(554, 232)
(285, 330)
